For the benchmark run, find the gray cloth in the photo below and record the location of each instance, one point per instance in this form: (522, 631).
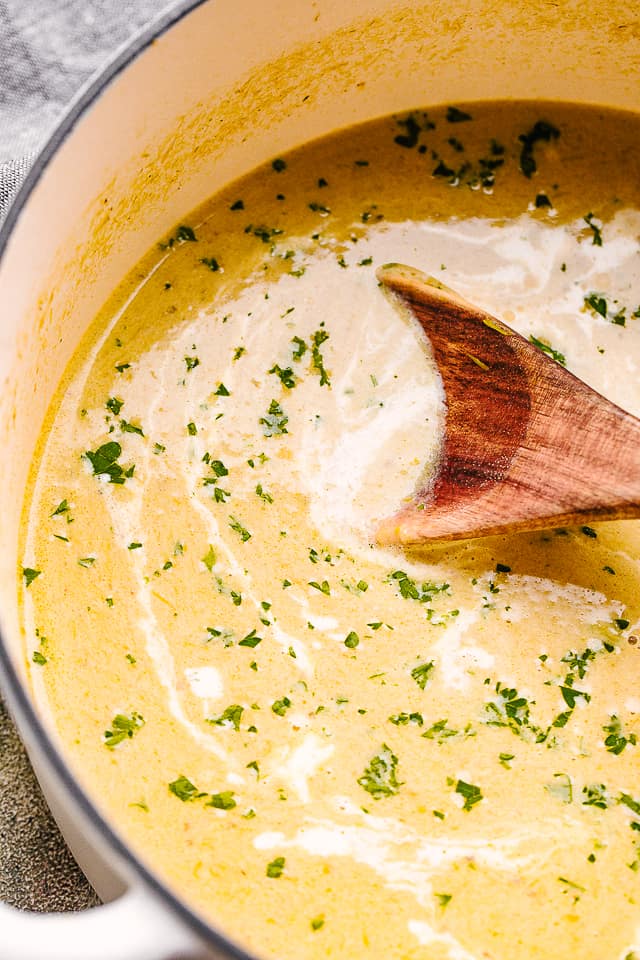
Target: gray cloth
(48, 49)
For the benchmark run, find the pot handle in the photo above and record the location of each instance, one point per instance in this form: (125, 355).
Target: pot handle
(133, 927)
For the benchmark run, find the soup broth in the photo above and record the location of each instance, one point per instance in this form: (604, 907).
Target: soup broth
(327, 747)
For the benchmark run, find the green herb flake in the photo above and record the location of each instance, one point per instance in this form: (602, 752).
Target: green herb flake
(280, 707)
(211, 263)
(114, 405)
(274, 422)
(184, 790)
(275, 869)
(287, 377)
(185, 234)
(221, 391)
(242, 532)
(300, 348)
(222, 801)
(317, 361)
(123, 727)
(403, 719)
(322, 587)
(251, 640)
(548, 349)
(596, 229)
(39, 658)
(616, 741)
(192, 363)
(470, 792)
(380, 776)
(422, 673)
(230, 717)
(317, 923)
(209, 559)
(30, 575)
(542, 131)
(454, 115)
(351, 640)
(104, 462)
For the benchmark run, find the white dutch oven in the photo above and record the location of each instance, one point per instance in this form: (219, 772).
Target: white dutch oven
(214, 89)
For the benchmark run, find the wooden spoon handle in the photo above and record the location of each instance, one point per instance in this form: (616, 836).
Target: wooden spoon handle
(526, 443)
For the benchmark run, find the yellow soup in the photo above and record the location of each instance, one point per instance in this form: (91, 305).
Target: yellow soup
(331, 749)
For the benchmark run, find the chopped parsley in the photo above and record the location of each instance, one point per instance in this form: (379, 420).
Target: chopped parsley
(454, 115)
(184, 790)
(596, 229)
(275, 869)
(274, 421)
(280, 707)
(104, 462)
(230, 717)
(380, 776)
(242, 532)
(287, 377)
(470, 792)
(542, 131)
(548, 349)
(317, 362)
(222, 801)
(30, 575)
(123, 727)
(422, 673)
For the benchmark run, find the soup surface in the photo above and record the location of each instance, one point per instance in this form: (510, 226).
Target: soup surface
(330, 748)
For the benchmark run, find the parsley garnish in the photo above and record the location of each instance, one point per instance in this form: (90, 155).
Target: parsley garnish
(251, 640)
(104, 462)
(541, 131)
(275, 869)
(211, 263)
(114, 405)
(379, 777)
(184, 790)
(422, 672)
(548, 349)
(322, 587)
(280, 707)
(230, 716)
(242, 532)
(30, 575)
(596, 229)
(222, 801)
(317, 362)
(274, 422)
(287, 377)
(123, 727)
(471, 793)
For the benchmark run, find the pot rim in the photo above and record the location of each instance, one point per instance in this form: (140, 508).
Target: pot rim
(20, 703)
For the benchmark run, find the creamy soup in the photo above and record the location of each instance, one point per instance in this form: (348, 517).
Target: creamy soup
(327, 747)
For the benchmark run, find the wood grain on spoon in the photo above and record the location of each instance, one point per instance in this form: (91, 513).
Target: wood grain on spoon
(526, 443)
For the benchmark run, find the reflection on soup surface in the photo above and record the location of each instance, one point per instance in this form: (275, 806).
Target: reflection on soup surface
(333, 749)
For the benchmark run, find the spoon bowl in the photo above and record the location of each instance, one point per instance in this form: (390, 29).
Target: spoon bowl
(526, 443)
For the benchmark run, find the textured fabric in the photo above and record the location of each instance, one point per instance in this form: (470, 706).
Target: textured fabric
(48, 49)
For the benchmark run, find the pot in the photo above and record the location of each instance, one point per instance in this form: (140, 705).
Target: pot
(210, 91)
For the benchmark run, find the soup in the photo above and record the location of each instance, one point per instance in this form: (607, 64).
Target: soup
(326, 746)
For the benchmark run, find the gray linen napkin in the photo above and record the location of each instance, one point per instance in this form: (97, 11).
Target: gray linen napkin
(48, 49)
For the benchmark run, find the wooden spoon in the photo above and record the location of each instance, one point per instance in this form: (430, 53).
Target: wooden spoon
(526, 443)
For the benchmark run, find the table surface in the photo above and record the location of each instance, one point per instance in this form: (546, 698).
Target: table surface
(48, 49)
